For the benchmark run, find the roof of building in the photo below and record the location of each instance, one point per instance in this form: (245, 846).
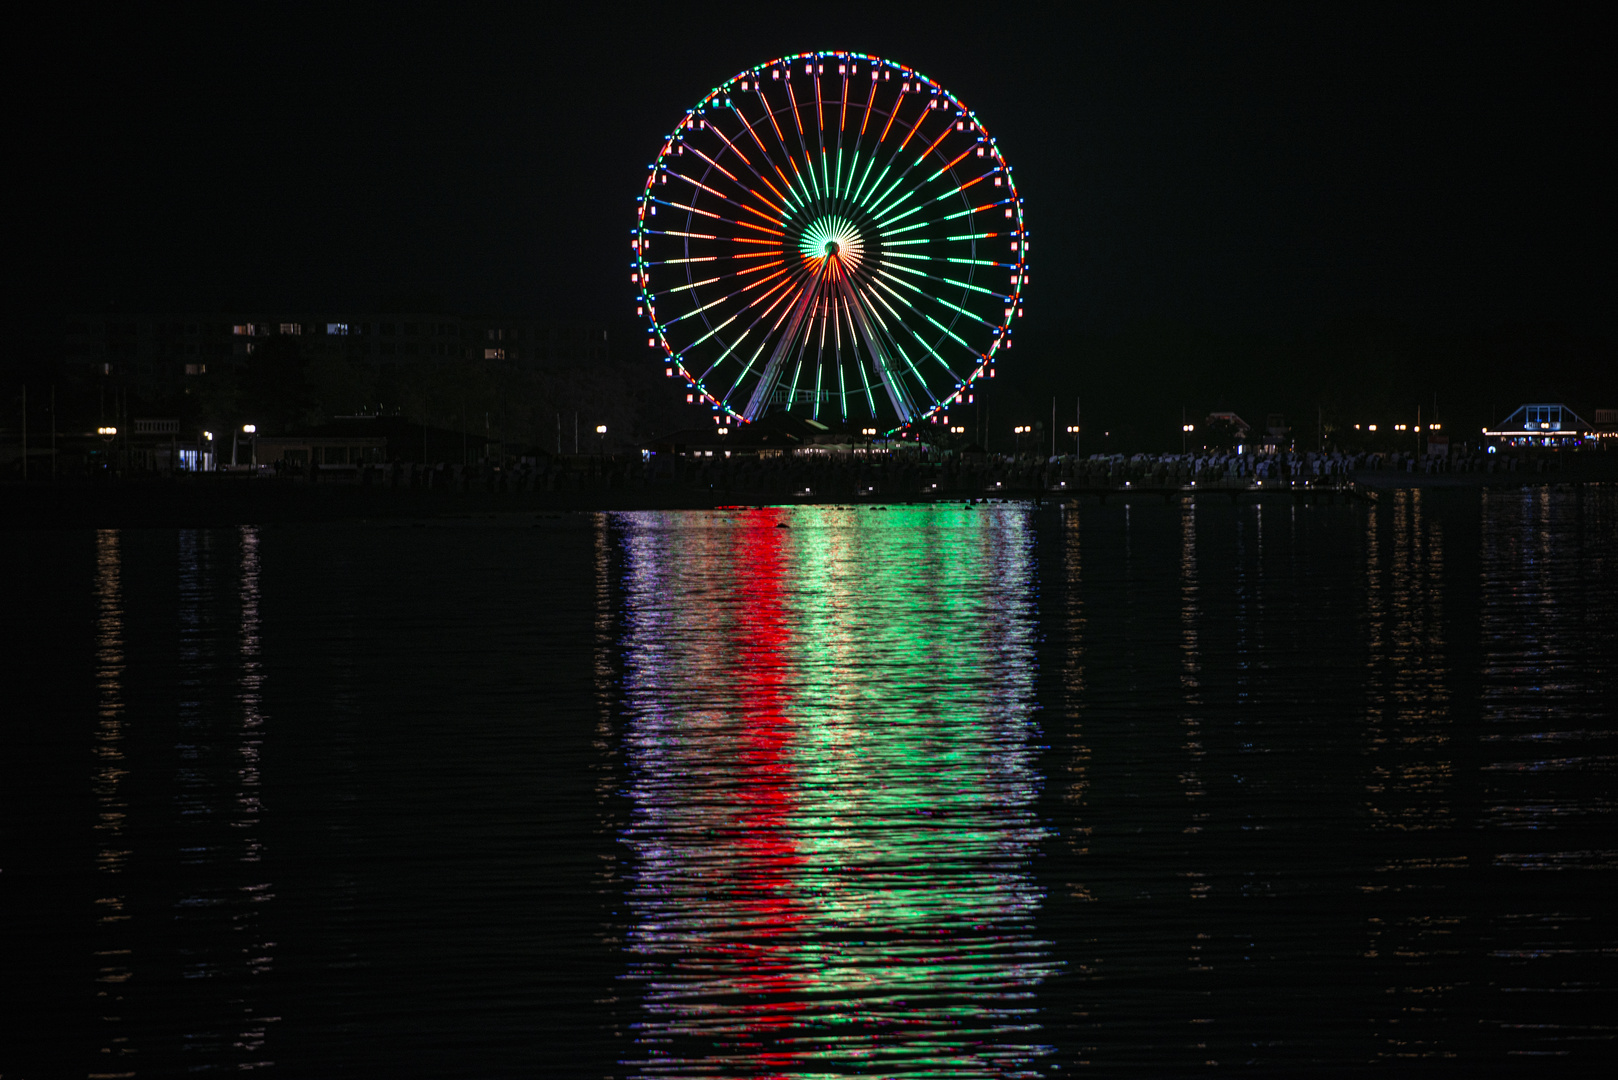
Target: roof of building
(1543, 416)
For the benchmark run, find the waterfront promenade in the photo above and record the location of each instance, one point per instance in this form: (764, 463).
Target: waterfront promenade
(606, 483)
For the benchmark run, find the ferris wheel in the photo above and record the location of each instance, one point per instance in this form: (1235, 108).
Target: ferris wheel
(834, 235)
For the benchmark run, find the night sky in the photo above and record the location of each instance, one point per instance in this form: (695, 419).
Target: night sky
(1235, 168)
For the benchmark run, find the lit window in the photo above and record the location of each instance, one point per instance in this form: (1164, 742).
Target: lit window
(494, 354)
(337, 329)
(291, 328)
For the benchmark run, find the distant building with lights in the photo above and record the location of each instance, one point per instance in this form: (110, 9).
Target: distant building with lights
(158, 353)
(1543, 425)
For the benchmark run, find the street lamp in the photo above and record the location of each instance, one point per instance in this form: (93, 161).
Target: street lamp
(1185, 429)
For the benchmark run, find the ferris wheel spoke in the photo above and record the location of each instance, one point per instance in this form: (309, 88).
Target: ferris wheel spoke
(865, 378)
(894, 157)
(716, 217)
(739, 183)
(764, 339)
(740, 294)
(958, 310)
(820, 116)
(734, 275)
(949, 281)
(715, 332)
(786, 185)
(789, 184)
(885, 214)
(892, 218)
(776, 244)
(711, 126)
(784, 288)
(797, 120)
(953, 162)
(885, 233)
(720, 196)
(944, 329)
(898, 345)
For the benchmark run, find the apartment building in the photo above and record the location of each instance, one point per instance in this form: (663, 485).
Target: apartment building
(156, 353)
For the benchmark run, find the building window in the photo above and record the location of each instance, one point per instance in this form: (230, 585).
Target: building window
(291, 328)
(337, 329)
(242, 329)
(387, 329)
(494, 354)
(410, 328)
(496, 335)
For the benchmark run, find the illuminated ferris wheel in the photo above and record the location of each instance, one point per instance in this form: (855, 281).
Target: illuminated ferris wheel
(834, 235)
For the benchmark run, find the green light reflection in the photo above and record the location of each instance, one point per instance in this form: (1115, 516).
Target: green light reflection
(832, 780)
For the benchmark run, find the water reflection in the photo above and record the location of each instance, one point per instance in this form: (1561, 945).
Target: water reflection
(114, 939)
(831, 759)
(219, 908)
(1549, 753)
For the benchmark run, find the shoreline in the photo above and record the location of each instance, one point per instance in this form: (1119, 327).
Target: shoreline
(221, 502)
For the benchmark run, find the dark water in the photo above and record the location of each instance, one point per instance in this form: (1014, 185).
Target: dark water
(945, 791)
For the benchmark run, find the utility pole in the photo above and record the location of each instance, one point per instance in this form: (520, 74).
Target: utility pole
(1053, 427)
(1078, 426)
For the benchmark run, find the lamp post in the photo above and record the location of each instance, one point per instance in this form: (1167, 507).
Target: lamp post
(601, 434)
(251, 431)
(1185, 430)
